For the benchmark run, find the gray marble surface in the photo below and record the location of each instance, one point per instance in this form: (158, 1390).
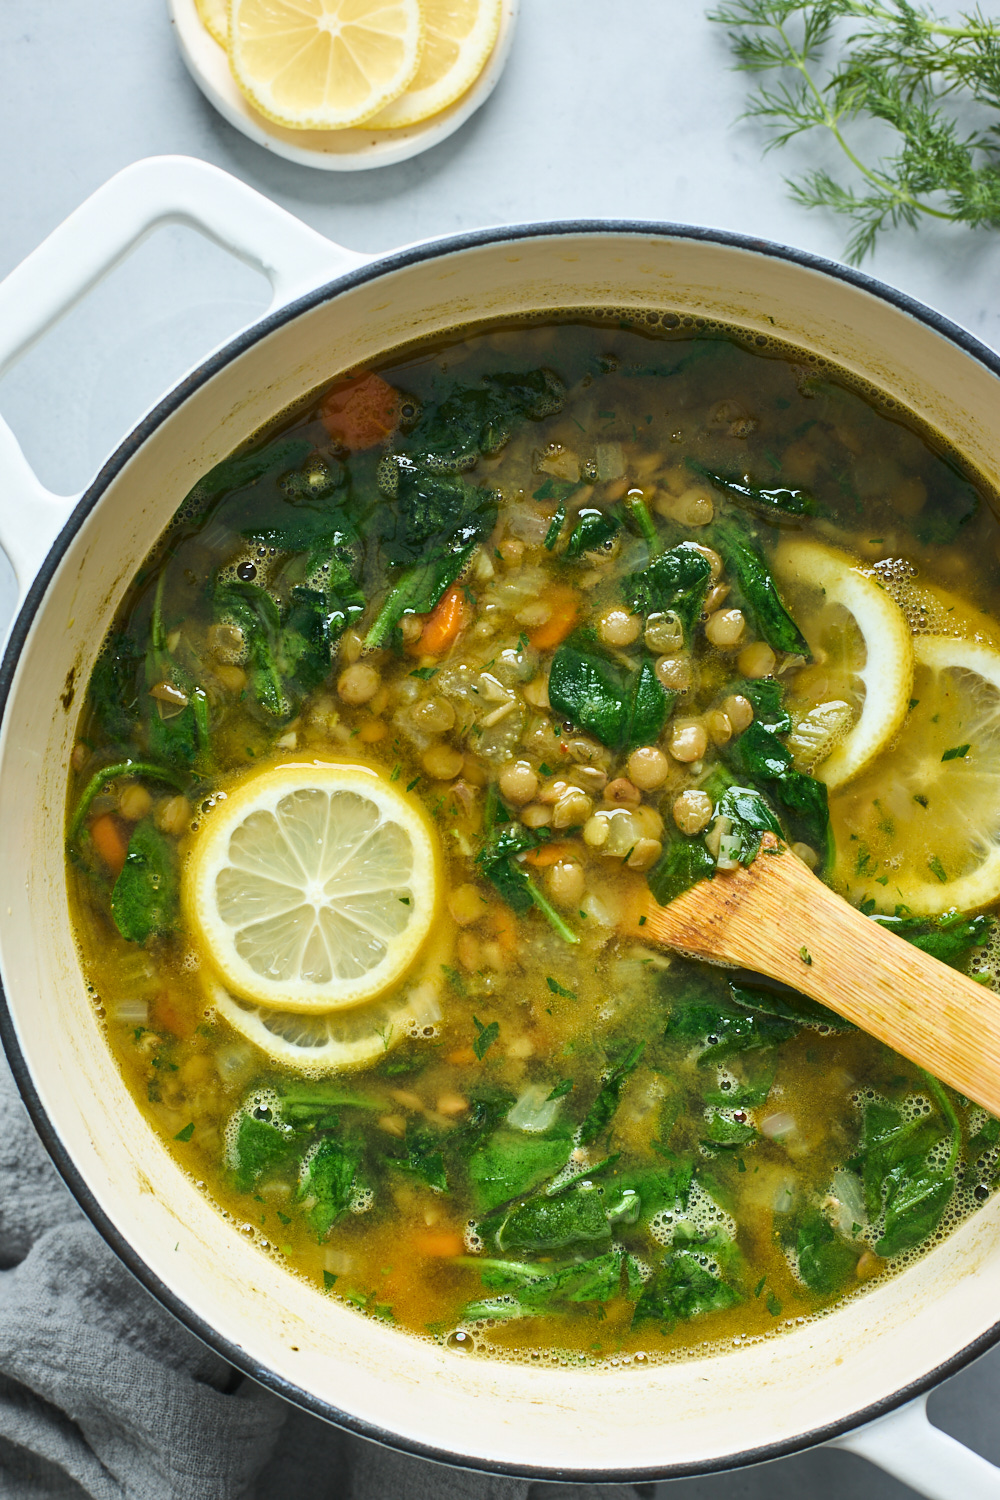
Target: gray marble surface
(625, 111)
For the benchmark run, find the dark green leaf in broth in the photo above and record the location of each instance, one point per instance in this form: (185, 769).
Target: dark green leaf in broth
(826, 1262)
(947, 937)
(593, 532)
(510, 1163)
(682, 864)
(144, 900)
(676, 581)
(242, 469)
(547, 1224)
(682, 1288)
(916, 1198)
(759, 592)
(786, 502)
(602, 1111)
(327, 1182)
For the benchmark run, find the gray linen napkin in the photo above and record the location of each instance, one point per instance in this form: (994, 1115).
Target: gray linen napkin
(104, 1394)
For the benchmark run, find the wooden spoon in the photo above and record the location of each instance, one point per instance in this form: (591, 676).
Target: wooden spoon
(776, 918)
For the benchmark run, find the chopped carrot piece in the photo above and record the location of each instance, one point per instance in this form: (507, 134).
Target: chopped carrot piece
(360, 412)
(110, 841)
(564, 603)
(172, 1017)
(551, 853)
(444, 623)
(461, 1057)
(505, 928)
(443, 1244)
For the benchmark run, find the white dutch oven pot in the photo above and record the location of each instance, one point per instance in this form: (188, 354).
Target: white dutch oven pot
(857, 1377)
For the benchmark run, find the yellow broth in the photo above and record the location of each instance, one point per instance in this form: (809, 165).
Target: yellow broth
(735, 1163)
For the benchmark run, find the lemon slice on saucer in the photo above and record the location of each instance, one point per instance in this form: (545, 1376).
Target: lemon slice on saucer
(459, 36)
(863, 656)
(214, 16)
(323, 64)
(922, 827)
(312, 887)
(337, 1041)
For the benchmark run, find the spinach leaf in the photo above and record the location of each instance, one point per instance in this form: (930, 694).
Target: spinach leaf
(260, 1148)
(786, 502)
(532, 1289)
(683, 863)
(766, 696)
(256, 614)
(450, 436)
(749, 818)
(681, 1288)
(759, 755)
(677, 580)
(510, 1163)
(721, 1131)
(422, 1155)
(602, 1111)
(778, 1000)
(825, 1261)
(658, 1187)
(594, 531)
(428, 535)
(757, 588)
(327, 1182)
(242, 469)
(144, 898)
(647, 707)
(115, 686)
(916, 1198)
(947, 937)
(578, 1217)
(503, 841)
(895, 1169)
(595, 694)
(723, 1027)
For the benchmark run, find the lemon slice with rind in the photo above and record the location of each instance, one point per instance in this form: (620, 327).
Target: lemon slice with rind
(459, 36)
(313, 887)
(337, 1041)
(323, 64)
(214, 16)
(863, 650)
(922, 827)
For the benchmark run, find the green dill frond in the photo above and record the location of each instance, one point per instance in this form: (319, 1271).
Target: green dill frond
(842, 61)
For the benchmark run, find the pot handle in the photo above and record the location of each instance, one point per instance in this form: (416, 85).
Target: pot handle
(907, 1445)
(89, 244)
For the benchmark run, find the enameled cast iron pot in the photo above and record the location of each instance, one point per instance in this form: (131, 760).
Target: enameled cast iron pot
(872, 1360)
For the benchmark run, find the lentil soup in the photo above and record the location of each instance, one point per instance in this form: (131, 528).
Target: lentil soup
(415, 695)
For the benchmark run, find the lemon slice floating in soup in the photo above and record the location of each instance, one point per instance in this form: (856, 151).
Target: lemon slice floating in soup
(337, 1041)
(853, 699)
(323, 64)
(312, 887)
(922, 828)
(459, 36)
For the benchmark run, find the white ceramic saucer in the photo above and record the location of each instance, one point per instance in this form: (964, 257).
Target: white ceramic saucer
(330, 150)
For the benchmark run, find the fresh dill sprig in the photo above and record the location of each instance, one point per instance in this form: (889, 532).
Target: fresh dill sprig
(900, 65)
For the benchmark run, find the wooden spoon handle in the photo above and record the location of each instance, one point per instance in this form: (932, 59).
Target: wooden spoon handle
(776, 918)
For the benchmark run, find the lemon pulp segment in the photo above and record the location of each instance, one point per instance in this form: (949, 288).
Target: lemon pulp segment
(323, 64)
(214, 16)
(459, 36)
(335, 1041)
(922, 828)
(313, 887)
(863, 647)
